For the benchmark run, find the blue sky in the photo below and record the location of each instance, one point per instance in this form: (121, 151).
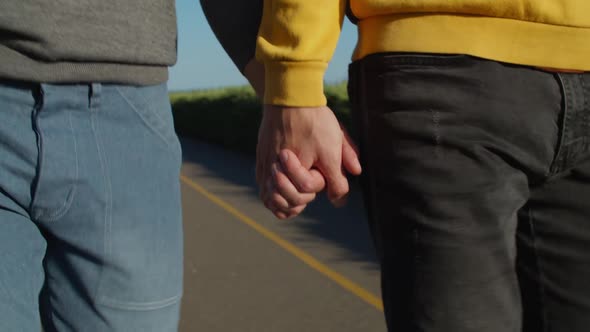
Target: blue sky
(202, 63)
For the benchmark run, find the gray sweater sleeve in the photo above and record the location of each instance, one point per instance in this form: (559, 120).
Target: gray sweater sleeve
(235, 24)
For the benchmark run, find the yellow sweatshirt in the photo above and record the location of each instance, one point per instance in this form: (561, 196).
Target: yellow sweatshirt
(297, 38)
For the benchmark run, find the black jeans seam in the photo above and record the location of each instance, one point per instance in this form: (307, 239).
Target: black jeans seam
(561, 151)
(540, 275)
(586, 108)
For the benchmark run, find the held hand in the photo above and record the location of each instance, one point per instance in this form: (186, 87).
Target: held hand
(291, 186)
(292, 180)
(313, 147)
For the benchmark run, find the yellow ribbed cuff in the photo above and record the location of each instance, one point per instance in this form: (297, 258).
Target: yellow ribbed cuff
(296, 84)
(500, 39)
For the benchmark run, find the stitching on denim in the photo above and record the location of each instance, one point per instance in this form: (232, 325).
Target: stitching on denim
(570, 105)
(155, 114)
(378, 60)
(436, 135)
(168, 140)
(545, 325)
(64, 208)
(108, 189)
(72, 192)
(153, 305)
(39, 134)
(586, 109)
(557, 164)
(571, 109)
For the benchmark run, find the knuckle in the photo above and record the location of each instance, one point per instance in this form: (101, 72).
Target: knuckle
(277, 200)
(306, 186)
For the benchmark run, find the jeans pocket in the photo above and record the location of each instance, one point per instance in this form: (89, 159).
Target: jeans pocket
(142, 267)
(151, 104)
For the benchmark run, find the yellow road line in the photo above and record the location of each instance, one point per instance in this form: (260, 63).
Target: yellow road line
(294, 250)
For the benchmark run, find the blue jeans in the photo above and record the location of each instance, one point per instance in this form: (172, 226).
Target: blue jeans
(90, 215)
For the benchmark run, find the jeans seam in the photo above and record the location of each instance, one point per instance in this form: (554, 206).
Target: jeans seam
(542, 293)
(63, 209)
(167, 140)
(108, 194)
(72, 192)
(39, 134)
(138, 306)
(558, 162)
(586, 109)
(393, 60)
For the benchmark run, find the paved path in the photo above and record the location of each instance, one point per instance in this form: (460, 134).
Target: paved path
(249, 272)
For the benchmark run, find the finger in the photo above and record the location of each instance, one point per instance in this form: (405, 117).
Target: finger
(274, 201)
(285, 188)
(281, 215)
(289, 214)
(296, 211)
(278, 201)
(349, 139)
(340, 202)
(304, 180)
(281, 212)
(337, 184)
(350, 159)
(266, 190)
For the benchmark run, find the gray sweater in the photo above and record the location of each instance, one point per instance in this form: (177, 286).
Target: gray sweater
(68, 41)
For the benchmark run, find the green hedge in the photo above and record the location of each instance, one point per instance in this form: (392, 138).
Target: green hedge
(230, 117)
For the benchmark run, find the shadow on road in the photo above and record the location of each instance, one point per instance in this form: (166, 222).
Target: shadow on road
(345, 227)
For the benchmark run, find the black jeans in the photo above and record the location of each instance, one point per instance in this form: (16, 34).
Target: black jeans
(477, 183)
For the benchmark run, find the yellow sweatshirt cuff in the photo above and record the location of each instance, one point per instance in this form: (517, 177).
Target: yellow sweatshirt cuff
(296, 84)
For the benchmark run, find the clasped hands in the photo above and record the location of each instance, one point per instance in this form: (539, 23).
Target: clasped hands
(301, 152)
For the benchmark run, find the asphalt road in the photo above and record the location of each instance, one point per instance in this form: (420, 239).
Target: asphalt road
(249, 272)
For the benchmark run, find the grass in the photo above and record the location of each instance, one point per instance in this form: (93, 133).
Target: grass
(230, 116)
